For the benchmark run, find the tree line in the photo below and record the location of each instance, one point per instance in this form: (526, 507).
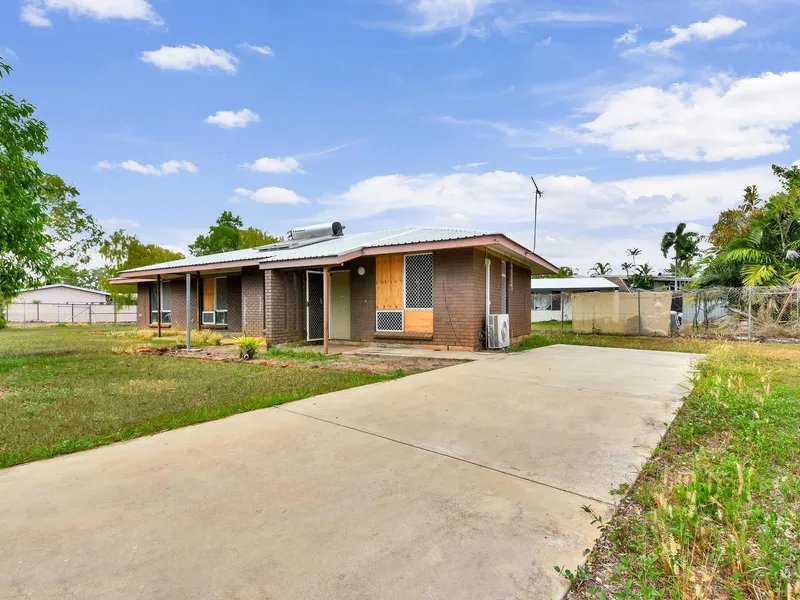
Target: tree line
(47, 236)
(757, 243)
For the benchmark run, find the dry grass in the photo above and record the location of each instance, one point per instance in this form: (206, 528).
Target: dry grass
(716, 512)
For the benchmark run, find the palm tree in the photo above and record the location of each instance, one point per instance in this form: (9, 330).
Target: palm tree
(685, 245)
(643, 277)
(600, 269)
(626, 266)
(633, 253)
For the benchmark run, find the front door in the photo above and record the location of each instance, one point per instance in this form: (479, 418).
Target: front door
(340, 306)
(314, 307)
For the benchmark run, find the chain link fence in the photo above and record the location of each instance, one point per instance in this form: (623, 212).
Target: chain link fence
(756, 313)
(46, 312)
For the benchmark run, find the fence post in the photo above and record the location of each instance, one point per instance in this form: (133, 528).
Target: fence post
(90, 314)
(562, 312)
(639, 309)
(37, 312)
(749, 313)
(24, 314)
(114, 308)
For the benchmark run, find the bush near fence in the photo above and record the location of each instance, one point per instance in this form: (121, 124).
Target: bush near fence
(44, 312)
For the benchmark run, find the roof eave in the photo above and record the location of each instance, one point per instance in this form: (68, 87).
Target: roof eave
(522, 253)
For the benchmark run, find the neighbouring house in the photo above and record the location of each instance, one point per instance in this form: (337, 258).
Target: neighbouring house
(419, 285)
(665, 281)
(550, 296)
(62, 293)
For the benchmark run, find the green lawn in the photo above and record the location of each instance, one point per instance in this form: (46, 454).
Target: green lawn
(64, 389)
(716, 512)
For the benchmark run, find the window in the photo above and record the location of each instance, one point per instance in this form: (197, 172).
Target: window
(418, 281)
(389, 320)
(215, 301)
(166, 313)
(547, 301)
(503, 289)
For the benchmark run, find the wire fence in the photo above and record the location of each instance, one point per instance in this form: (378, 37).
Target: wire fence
(48, 312)
(754, 313)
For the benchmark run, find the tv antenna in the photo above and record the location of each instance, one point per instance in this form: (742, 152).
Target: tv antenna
(537, 194)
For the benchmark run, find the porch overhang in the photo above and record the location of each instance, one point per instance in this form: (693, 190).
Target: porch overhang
(150, 274)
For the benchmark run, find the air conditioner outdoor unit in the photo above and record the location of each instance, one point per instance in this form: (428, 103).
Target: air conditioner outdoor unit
(498, 331)
(208, 317)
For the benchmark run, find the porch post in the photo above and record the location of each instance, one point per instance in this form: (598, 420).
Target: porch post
(199, 303)
(325, 308)
(188, 311)
(158, 302)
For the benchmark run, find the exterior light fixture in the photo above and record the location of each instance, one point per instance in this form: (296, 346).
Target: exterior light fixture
(361, 270)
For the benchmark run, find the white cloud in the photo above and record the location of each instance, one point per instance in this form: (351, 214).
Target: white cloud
(469, 166)
(35, 12)
(189, 58)
(228, 118)
(629, 37)
(7, 53)
(116, 223)
(263, 50)
(719, 120)
(271, 195)
(703, 31)
(438, 15)
(34, 15)
(171, 167)
(288, 164)
(507, 197)
(545, 41)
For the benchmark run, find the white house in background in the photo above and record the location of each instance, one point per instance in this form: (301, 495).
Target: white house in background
(546, 295)
(62, 293)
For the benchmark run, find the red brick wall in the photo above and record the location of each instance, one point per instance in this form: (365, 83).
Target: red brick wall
(520, 301)
(143, 305)
(362, 299)
(234, 303)
(458, 300)
(252, 294)
(283, 297)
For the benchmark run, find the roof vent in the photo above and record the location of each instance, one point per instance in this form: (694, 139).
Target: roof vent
(334, 229)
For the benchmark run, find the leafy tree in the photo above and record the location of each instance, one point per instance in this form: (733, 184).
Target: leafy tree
(562, 272)
(684, 244)
(767, 250)
(123, 251)
(600, 268)
(42, 223)
(643, 278)
(626, 266)
(73, 274)
(633, 253)
(228, 234)
(253, 237)
(735, 222)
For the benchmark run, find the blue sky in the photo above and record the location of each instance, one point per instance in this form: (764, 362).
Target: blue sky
(631, 115)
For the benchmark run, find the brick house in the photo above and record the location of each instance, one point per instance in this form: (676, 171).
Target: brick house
(420, 285)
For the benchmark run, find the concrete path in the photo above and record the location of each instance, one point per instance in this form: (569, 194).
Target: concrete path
(461, 483)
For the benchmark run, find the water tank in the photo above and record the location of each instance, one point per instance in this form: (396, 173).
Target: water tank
(315, 231)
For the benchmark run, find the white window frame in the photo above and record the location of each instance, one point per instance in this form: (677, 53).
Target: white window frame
(154, 309)
(211, 317)
(405, 306)
(216, 301)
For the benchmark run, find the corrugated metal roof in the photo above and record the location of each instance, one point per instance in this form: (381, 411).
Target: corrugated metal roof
(194, 261)
(572, 284)
(333, 247)
(65, 285)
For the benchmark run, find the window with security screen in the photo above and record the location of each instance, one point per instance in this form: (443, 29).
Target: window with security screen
(418, 281)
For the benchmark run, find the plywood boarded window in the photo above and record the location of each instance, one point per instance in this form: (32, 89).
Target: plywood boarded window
(389, 282)
(208, 294)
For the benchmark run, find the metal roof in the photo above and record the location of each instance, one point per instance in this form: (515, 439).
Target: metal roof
(572, 284)
(332, 247)
(65, 285)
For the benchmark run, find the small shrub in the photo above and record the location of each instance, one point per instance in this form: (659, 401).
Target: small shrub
(248, 346)
(206, 338)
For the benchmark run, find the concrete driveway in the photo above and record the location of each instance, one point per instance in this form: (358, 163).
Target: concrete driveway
(462, 483)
